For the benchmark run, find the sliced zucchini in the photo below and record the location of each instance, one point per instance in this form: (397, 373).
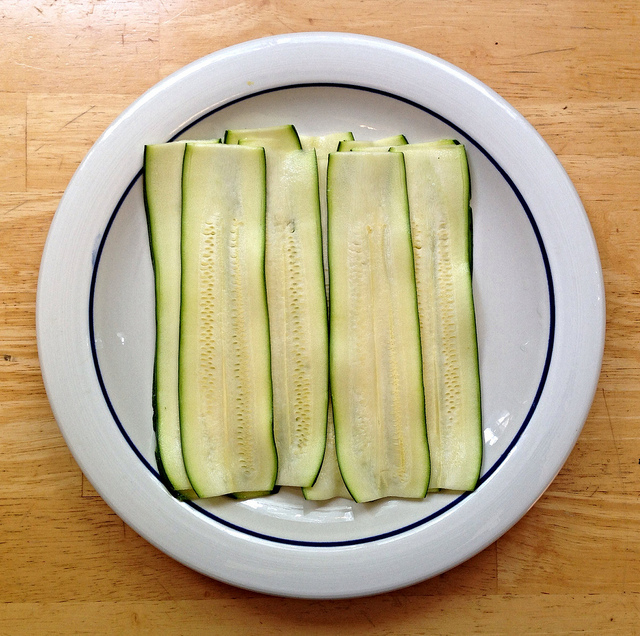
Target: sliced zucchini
(438, 186)
(163, 202)
(243, 496)
(224, 359)
(284, 137)
(323, 145)
(428, 145)
(329, 483)
(298, 314)
(382, 144)
(375, 358)
(297, 304)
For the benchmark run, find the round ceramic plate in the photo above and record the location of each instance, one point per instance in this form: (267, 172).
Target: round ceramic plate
(537, 286)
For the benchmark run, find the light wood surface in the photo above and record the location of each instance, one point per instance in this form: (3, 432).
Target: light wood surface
(69, 565)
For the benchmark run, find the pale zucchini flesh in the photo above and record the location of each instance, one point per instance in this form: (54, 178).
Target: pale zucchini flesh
(381, 144)
(329, 483)
(163, 203)
(437, 143)
(438, 187)
(296, 301)
(283, 137)
(224, 358)
(375, 357)
(298, 314)
(323, 145)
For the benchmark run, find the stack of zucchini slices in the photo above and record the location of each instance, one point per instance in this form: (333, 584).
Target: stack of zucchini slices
(315, 324)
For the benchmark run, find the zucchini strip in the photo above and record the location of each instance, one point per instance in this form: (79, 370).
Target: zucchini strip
(379, 144)
(329, 483)
(224, 359)
(163, 203)
(296, 301)
(375, 359)
(323, 145)
(438, 186)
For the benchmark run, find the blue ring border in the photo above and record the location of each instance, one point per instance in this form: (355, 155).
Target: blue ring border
(527, 419)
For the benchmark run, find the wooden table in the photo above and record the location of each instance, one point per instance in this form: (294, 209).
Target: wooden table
(69, 565)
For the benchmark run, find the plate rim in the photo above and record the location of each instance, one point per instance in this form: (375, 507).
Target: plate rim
(485, 474)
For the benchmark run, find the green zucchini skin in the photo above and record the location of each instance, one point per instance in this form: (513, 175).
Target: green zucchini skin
(375, 360)
(243, 496)
(296, 301)
(224, 359)
(439, 195)
(162, 174)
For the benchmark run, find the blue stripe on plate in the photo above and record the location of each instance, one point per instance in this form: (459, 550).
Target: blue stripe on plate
(491, 470)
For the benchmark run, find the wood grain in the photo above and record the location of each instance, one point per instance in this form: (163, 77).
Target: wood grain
(71, 566)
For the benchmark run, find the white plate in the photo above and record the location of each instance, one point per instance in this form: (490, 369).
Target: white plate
(537, 284)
